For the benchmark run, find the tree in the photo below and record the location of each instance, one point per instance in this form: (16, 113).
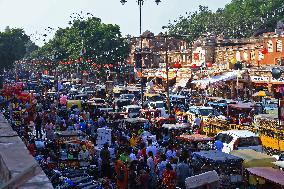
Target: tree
(12, 47)
(86, 41)
(239, 19)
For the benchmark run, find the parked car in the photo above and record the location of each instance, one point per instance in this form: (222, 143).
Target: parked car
(239, 139)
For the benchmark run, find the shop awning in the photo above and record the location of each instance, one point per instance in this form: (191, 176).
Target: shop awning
(224, 77)
(182, 82)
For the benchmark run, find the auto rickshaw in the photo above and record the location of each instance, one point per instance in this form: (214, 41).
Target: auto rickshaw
(195, 142)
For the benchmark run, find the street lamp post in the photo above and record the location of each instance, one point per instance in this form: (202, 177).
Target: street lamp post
(140, 4)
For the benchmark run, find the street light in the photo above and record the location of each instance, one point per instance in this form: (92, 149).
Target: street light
(140, 3)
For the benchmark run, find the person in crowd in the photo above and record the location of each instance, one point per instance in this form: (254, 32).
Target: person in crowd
(38, 125)
(105, 158)
(134, 140)
(169, 180)
(121, 174)
(151, 147)
(197, 122)
(84, 157)
(49, 130)
(150, 161)
(183, 171)
(162, 165)
(133, 175)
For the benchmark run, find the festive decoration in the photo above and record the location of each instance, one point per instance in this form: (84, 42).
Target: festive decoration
(193, 66)
(233, 60)
(209, 65)
(264, 51)
(45, 72)
(177, 65)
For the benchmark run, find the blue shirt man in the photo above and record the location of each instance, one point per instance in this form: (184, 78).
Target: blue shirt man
(219, 145)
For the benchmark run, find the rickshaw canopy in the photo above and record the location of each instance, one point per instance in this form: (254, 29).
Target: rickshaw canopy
(176, 126)
(254, 159)
(267, 173)
(194, 138)
(214, 156)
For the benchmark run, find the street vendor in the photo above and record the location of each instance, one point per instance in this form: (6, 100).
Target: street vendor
(84, 157)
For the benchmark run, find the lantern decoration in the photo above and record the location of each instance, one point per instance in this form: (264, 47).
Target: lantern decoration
(110, 66)
(45, 72)
(264, 51)
(233, 61)
(193, 66)
(177, 65)
(94, 64)
(129, 61)
(81, 59)
(209, 65)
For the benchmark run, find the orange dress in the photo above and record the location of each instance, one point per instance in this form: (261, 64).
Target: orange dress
(121, 184)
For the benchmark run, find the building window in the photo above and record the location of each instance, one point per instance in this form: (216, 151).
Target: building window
(270, 46)
(252, 55)
(246, 56)
(279, 45)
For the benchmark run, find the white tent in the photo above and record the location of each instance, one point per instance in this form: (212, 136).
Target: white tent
(224, 77)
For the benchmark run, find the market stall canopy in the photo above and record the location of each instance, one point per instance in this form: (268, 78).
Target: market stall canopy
(242, 105)
(176, 126)
(194, 137)
(279, 163)
(254, 159)
(211, 80)
(215, 156)
(182, 83)
(273, 175)
(261, 94)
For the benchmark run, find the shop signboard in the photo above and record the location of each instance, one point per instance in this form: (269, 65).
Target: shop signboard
(277, 81)
(259, 79)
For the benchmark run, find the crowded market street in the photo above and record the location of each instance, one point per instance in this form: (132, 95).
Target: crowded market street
(91, 109)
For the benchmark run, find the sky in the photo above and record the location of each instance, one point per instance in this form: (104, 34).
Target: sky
(35, 16)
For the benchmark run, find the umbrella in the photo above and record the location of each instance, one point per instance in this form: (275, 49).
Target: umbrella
(262, 94)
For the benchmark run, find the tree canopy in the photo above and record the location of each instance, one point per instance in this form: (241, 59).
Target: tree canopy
(13, 46)
(239, 19)
(86, 40)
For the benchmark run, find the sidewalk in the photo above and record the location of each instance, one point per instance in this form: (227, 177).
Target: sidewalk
(15, 158)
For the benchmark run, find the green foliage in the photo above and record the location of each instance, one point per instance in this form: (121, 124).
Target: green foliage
(89, 39)
(240, 18)
(12, 47)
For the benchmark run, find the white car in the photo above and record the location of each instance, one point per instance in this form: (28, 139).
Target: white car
(239, 139)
